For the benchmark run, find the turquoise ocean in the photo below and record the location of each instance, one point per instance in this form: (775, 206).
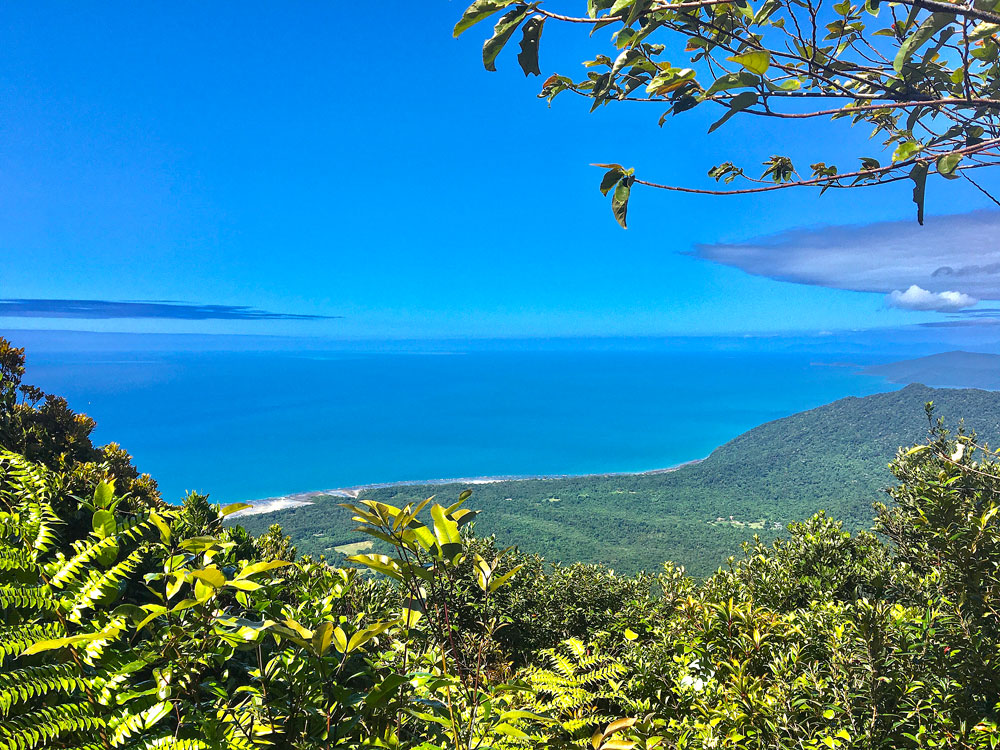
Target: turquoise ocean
(244, 425)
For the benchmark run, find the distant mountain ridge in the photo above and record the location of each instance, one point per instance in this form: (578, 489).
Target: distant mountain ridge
(957, 369)
(831, 458)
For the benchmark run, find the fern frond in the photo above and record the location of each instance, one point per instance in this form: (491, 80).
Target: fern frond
(133, 529)
(169, 742)
(19, 560)
(15, 639)
(63, 571)
(127, 725)
(40, 728)
(27, 597)
(21, 685)
(100, 585)
(42, 520)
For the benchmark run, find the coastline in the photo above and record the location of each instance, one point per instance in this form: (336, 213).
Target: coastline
(299, 499)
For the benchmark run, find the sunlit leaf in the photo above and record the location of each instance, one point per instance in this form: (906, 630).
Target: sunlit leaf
(502, 33)
(478, 11)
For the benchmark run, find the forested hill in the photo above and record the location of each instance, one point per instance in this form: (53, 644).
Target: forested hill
(833, 458)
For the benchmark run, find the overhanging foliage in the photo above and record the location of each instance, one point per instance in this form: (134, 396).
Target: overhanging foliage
(921, 75)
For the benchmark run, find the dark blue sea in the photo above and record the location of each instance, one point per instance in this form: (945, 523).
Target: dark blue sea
(244, 425)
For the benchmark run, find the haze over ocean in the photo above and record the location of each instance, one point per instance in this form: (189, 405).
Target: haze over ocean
(245, 425)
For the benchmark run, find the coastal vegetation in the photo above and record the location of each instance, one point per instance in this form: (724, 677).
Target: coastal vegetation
(832, 458)
(919, 76)
(131, 623)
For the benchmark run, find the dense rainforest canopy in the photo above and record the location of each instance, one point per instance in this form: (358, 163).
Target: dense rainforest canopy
(128, 622)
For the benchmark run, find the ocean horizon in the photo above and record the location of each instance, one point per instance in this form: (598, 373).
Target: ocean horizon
(249, 425)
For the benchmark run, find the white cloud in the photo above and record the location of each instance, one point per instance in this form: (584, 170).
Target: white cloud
(960, 251)
(917, 298)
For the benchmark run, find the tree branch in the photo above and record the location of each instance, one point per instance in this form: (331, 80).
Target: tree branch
(931, 5)
(832, 180)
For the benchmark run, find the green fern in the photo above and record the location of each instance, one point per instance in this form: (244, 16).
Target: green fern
(580, 688)
(19, 686)
(59, 683)
(45, 726)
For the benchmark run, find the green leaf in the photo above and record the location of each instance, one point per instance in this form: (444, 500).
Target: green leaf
(610, 179)
(531, 35)
(155, 610)
(509, 731)
(829, 713)
(323, 638)
(261, 567)
(37, 648)
(234, 508)
(422, 535)
(445, 528)
(502, 33)
(624, 59)
(619, 201)
(483, 572)
(530, 715)
(906, 150)
(743, 79)
(406, 518)
(297, 627)
(619, 6)
(174, 585)
(919, 176)
(947, 164)
(162, 526)
(105, 524)
(757, 61)
(153, 714)
(931, 26)
(465, 495)
(380, 563)
(983, 30)
(478, 11)
(410, 617)
(244, 585)
(792, 84)
(199, 543)
(501, 580)
(737, 104)
(363, 636)
(463, 516)
(104, 495)
(619, 725)
(383, 691)
(211, 576)
(669, 80)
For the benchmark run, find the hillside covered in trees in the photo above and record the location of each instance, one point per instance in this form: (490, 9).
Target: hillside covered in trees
(834, 457)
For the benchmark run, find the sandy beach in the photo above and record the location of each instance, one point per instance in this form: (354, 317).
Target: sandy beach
(282, 502)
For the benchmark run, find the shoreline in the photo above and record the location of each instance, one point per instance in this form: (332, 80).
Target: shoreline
(300, 499)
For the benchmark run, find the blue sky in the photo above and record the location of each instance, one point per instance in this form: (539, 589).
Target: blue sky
(322, 159)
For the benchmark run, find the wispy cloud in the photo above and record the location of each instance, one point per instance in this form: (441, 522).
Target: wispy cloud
(96, 309)
(957, 254)
(916, 298)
